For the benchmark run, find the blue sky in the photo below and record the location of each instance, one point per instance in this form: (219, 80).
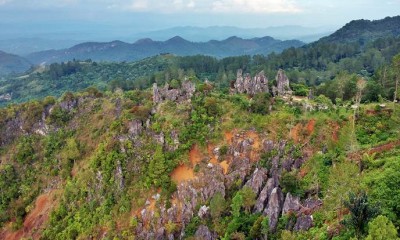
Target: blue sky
(114, 17)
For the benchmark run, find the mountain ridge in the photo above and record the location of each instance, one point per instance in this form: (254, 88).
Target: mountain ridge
(122, 51)
(11, 63)
(363, 30)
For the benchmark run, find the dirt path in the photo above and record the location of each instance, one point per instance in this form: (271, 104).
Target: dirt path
(376, 149)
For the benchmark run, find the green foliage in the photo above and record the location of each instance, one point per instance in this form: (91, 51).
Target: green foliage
(217, 205)
(383, 183)
(260, 103)
(375, 128)
(299, 89)
(9, 190)
(361, 211)
(157, 172)
(59, 116)
(291, 184)
(381, 228)
(25, 153)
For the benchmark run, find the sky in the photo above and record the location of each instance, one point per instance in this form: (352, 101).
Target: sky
(113, 18)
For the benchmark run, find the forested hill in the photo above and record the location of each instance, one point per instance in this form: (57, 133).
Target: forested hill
(10, 63)
(364, 31)
(121, 51)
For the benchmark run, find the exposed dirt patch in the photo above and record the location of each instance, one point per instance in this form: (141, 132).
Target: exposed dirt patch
(356, 156)
(34, 222)
(195, 155)
(311, 126)
(302, 133)
(210, 149)
(225, 166)
(295, 133)
(182, 173)
(384, 147)
(256, 147)
(228, 137)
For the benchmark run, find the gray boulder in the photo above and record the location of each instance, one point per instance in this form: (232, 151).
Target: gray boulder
(203, 233)
(303, 223)
(292, 204)
(257, 180)
(273, 211)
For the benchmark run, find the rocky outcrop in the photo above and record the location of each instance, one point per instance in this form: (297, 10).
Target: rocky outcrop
(257, 180)
(282, 81)
(262, 199)
(292, 204)
(303, 223)
(273, 211)
(193, 196)
(252, 86)
(203, 212)
(135, 128)
(185, 92)
(203, 233)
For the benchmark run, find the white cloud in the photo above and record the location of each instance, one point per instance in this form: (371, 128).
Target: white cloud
(139, 5)
(169, 6)
(2, 2)
(255, 6)
(219, 6)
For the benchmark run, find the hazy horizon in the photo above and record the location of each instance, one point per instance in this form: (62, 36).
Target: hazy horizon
(122, 19)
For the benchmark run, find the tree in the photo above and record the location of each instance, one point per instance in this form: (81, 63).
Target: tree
(157, 168)
(237, 202)
(361, 211)
(396, 65)
(249, 198)
(217, 205)
(381, 228)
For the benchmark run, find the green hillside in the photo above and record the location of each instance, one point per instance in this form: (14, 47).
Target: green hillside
(298, 145)
(139, 164)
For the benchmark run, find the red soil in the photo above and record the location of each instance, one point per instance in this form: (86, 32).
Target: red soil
(310, 126)
(35, 220)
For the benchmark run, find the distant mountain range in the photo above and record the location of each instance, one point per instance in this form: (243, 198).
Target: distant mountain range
(10, 63)
(122, 51)
(361, 31)
(202, 34)
(25, 46)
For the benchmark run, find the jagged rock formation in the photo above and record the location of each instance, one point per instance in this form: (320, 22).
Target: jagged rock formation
(250, 85)
(185, 92)
(211, 179)
(246, 84)
(282, 82)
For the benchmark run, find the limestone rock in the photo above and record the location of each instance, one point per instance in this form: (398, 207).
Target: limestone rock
(292, 204)
(252, 86)
(273, 211)
(156, 94)
(184, 93)
(303, 223)
(188, 89)
(282, 81)
(262, 199)
(312, 203)
(135, 128)
(203, 233)
(203, 212)
(257, 180)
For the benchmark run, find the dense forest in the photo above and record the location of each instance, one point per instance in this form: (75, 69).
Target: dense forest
(318, 65)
